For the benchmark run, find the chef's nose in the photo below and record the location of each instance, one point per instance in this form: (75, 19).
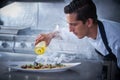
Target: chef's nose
(71, 29)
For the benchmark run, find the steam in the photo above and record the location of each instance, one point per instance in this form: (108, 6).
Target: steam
(53, 58)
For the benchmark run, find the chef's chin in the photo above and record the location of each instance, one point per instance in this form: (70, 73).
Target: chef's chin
(80, 37)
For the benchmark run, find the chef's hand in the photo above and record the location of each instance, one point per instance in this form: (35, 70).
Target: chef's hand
(44, 37)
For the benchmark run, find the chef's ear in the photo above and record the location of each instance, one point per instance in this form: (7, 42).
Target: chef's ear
(90, 22)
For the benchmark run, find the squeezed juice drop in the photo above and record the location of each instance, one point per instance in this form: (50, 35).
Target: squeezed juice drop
(40, 48)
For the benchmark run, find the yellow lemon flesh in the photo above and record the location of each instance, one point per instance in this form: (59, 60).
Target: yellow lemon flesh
(40, 48)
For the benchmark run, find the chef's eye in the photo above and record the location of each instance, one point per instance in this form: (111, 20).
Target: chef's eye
(72, 24)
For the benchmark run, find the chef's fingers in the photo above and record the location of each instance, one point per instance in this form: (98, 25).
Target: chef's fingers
(39, 39)
(36, 42)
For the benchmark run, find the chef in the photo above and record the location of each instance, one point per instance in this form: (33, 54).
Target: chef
(82, 19)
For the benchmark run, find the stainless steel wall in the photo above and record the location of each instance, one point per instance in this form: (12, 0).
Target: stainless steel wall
(108, 9)
(35, 15)
(45, 15)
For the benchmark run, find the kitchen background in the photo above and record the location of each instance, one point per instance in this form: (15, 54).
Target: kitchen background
(25, 20)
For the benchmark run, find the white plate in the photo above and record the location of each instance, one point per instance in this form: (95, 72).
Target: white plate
(67, 66)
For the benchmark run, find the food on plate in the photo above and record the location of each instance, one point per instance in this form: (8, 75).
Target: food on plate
(42, 66)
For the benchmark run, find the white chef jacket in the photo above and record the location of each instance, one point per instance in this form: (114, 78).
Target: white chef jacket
(112, 30)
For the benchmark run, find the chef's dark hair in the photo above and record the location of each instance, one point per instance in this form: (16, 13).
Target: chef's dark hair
(84, 8)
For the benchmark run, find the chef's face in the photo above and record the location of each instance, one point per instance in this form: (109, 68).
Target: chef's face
(79, 28)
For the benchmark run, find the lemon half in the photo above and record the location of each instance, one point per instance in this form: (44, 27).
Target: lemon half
(40, 48)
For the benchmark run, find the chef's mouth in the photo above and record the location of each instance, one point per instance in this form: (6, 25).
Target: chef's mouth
(80, 37)
(75, 33)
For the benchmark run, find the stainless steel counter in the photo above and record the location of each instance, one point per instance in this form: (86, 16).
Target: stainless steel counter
(88, 69)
